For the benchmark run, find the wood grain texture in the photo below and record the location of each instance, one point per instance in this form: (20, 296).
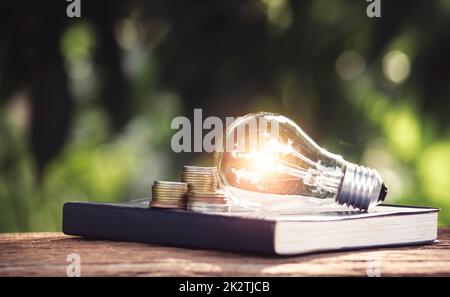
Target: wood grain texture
(45, 254)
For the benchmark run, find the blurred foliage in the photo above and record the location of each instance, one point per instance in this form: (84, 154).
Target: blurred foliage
(86, 104)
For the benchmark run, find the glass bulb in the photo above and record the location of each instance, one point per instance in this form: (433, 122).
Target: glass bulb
(265, 161)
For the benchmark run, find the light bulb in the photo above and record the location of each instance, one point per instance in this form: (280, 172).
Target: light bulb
(265, 161)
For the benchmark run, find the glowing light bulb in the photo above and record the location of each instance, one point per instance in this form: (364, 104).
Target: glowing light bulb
(265, 161)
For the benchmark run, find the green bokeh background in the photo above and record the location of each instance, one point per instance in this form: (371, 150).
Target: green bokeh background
(376, 91)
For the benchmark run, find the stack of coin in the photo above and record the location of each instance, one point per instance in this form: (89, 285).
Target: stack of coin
(200, 179)
(208, 201)
(203, 194)
(168, 194)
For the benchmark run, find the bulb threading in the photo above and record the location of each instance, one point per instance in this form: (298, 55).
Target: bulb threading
(361, 187)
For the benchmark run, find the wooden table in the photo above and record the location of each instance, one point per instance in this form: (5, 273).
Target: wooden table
(45, 254)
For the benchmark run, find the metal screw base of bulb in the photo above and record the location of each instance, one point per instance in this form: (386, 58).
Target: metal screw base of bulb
(361, 187)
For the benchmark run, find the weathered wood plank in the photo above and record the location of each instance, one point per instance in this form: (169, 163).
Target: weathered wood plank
(44, 254)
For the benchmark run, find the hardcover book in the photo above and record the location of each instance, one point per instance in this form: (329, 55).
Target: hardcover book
(252, 232)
